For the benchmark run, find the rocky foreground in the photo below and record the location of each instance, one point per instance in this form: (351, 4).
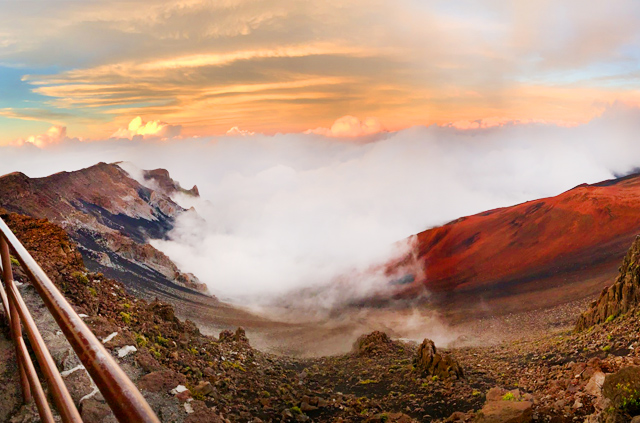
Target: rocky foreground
(562, 375)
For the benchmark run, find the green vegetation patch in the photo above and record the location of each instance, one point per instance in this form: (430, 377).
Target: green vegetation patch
(80, 277)
(508, 397)
(623, 390)
(126, 317)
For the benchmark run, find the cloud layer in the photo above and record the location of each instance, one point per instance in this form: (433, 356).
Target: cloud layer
(299, 210)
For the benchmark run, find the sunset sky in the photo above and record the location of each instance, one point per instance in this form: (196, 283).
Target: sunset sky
(197, 68)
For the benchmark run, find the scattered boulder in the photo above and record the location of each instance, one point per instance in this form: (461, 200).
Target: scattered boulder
(506, 412)
(621, 391)
(429, 361)
(161, 381)
(203, 388)
(594, 386)
(505, 407)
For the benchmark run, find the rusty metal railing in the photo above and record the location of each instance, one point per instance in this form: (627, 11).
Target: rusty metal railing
(122, 396)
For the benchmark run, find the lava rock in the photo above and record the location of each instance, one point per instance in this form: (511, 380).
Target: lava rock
(203, 388)
(163, 380)
(429, 361)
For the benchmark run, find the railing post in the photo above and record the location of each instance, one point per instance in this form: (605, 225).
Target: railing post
(16, 328)
(5, 299)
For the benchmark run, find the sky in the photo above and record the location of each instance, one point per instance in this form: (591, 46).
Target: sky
(203, 68)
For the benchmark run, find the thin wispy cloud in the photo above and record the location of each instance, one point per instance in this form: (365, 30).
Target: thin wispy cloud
(287, 66)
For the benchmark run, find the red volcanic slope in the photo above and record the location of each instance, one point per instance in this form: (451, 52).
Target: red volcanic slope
(532, 246)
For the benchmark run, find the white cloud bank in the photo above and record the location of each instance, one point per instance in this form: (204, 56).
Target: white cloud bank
(298, 210)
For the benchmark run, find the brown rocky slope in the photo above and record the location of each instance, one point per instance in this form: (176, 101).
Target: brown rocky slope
(111, 216)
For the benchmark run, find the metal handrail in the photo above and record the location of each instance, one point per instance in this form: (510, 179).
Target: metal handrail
(122, 396)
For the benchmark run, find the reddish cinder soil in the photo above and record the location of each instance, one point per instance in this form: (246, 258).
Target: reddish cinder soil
(537, 254)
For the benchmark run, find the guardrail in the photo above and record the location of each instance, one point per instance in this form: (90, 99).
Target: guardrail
(122, 396)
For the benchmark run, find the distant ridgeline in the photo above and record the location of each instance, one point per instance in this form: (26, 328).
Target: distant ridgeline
(539, 254)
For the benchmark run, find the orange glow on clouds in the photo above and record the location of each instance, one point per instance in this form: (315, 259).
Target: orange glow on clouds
(54, 135)
(154, 128)
(350, 127)
(493, 122)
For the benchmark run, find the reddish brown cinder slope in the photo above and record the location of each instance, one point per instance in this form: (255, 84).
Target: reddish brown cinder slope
(536, 254)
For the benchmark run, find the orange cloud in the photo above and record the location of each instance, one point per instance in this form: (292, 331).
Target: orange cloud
(350, 127)
(54, 135)
(235, 131)
(200, 60)
(151, 129)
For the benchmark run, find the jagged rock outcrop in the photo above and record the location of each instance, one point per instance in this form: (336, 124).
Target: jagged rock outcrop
(162, 179)
(619, 298)
(111, 216)
(429, 361)
(373, 343)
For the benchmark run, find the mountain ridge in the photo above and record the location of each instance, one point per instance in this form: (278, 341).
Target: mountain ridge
(574, 239)
(111, 216)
